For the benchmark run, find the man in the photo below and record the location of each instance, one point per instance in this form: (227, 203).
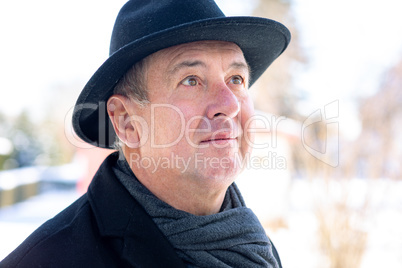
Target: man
(174, 92)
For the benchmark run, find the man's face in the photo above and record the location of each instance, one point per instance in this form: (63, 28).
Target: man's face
(198, 112)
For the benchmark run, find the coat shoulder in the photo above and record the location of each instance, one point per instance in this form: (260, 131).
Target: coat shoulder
(71, 237)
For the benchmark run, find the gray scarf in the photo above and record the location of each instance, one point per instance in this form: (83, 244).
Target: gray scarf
(231, 238)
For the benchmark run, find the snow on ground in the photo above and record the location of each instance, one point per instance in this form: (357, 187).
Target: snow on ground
(298, 242)
(17, 222)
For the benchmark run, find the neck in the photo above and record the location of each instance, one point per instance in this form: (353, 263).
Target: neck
(195, 196)
(187, 197)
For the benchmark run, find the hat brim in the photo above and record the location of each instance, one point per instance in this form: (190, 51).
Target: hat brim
(261, 40)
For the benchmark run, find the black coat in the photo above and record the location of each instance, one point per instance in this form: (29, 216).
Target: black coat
(106, 227)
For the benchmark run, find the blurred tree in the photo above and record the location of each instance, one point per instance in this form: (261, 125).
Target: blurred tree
(4, 126)
(274, 90)
(378, 150)
(57, 112)
(39, 143)
(24, 136)
(376, 153)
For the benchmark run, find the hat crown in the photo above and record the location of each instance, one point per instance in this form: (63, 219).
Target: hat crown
(141, 18)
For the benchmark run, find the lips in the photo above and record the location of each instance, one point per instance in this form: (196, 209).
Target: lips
(219, 137)
(219, 140)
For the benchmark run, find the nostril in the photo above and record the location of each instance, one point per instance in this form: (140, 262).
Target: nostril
(219, 114)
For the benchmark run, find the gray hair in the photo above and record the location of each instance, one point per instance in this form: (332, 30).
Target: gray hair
(133, 85)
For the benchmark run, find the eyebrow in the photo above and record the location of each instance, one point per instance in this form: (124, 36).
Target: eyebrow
(184, 64)
(240, 65)
(187, 64)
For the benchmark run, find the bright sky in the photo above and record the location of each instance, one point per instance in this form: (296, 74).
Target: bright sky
(350, 44)
(48, 42)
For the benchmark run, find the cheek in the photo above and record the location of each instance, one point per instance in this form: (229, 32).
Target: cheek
(167, 124)
(246, 110)
(247, 124)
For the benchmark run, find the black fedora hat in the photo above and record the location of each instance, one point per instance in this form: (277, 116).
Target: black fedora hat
(143, 27)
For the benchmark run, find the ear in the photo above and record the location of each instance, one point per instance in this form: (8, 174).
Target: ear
(119, 110)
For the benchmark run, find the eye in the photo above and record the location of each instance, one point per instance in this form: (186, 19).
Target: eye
(190, 81)
(237, 80)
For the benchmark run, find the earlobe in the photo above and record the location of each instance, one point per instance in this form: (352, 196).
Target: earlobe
(119, 112)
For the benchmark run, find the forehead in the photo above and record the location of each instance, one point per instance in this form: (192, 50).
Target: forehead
(230, 51)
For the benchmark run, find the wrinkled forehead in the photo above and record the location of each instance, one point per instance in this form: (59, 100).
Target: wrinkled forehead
(212, 48)
(211, 44)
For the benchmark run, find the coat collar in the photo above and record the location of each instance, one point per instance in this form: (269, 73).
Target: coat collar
(119, 215)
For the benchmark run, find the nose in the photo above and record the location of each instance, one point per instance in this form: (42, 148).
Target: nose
(224, 103)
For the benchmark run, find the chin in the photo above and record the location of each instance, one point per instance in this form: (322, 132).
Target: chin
(221, 175)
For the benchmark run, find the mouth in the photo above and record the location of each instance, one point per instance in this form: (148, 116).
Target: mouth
(219, 140)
